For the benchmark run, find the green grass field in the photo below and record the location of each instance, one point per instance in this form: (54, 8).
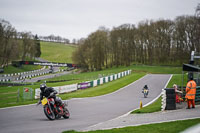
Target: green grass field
(154, 107)
(165, 127)
(57, 52)
(87, 76)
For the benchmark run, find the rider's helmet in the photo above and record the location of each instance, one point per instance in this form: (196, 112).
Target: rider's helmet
(145, 87)
(42, 87)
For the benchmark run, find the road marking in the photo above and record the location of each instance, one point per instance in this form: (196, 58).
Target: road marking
(136, 108)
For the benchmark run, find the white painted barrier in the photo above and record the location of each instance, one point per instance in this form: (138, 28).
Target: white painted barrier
(115, 76)
(119, 75)
(95, 83)
(59, 89)
(106, 79)
(163, 100)
(101, 81)
(111, 78)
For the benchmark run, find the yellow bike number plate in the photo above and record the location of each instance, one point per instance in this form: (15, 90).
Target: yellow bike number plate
(44, 101)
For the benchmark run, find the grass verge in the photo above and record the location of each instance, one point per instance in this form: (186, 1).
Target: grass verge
(105, 88)
(156, 106)
(24, 68)
(166, 127)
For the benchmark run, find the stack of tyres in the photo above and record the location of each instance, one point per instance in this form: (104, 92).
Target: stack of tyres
(170, 99)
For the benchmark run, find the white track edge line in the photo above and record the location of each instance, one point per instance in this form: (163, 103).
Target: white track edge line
(136, 108)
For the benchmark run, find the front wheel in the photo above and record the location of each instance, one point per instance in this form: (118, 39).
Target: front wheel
(49, 114)
(66, 113)
(145, 95)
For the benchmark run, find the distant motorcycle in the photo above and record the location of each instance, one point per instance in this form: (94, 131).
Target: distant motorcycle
(145, 92)
(52, 111)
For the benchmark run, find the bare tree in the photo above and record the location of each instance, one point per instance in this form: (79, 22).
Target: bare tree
(197, 12)
(7, 37)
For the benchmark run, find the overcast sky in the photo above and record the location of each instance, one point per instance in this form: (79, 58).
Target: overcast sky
(78, 18)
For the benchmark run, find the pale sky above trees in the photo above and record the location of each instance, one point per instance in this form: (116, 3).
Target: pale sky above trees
(78, 18)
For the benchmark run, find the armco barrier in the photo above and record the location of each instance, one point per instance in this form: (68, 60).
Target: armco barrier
(59, 89)
(94, 83)
(84, 85)
(104, 79)
(22, 75)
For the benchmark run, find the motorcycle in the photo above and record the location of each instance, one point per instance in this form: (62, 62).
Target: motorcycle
(145, 92)
(53, 111)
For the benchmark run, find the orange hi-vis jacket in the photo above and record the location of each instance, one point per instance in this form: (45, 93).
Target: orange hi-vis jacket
(191, 90)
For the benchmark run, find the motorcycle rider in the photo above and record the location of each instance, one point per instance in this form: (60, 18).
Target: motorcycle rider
(50, 93)
(145, 88)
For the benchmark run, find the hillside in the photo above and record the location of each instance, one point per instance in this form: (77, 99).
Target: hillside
(57, 52)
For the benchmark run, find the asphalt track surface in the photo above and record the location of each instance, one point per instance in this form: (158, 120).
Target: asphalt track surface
(85, 112)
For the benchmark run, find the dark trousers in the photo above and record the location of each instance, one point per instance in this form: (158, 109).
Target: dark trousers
(191, 101)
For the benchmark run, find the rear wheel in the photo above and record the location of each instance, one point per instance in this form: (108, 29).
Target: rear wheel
(49, 114)
(145, 95)
(66, 113)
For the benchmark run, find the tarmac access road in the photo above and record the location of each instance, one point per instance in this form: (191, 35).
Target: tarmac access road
(85, 112)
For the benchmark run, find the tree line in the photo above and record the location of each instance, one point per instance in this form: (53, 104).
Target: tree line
(17, 45)
(163, 42)
(54, 38)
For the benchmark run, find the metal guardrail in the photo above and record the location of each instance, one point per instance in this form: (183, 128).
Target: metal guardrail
(23, 75)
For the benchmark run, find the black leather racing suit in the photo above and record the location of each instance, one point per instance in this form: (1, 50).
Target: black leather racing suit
(49, 91)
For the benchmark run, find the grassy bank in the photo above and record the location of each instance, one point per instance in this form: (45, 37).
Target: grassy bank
(57, 52)
(135, 69)
(166, 127)
(105, 88)
(24, 68)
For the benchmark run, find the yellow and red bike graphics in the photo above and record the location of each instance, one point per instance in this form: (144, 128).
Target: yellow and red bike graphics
(44, 101)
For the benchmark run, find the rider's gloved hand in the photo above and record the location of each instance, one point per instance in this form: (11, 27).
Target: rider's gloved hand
(39, 102)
